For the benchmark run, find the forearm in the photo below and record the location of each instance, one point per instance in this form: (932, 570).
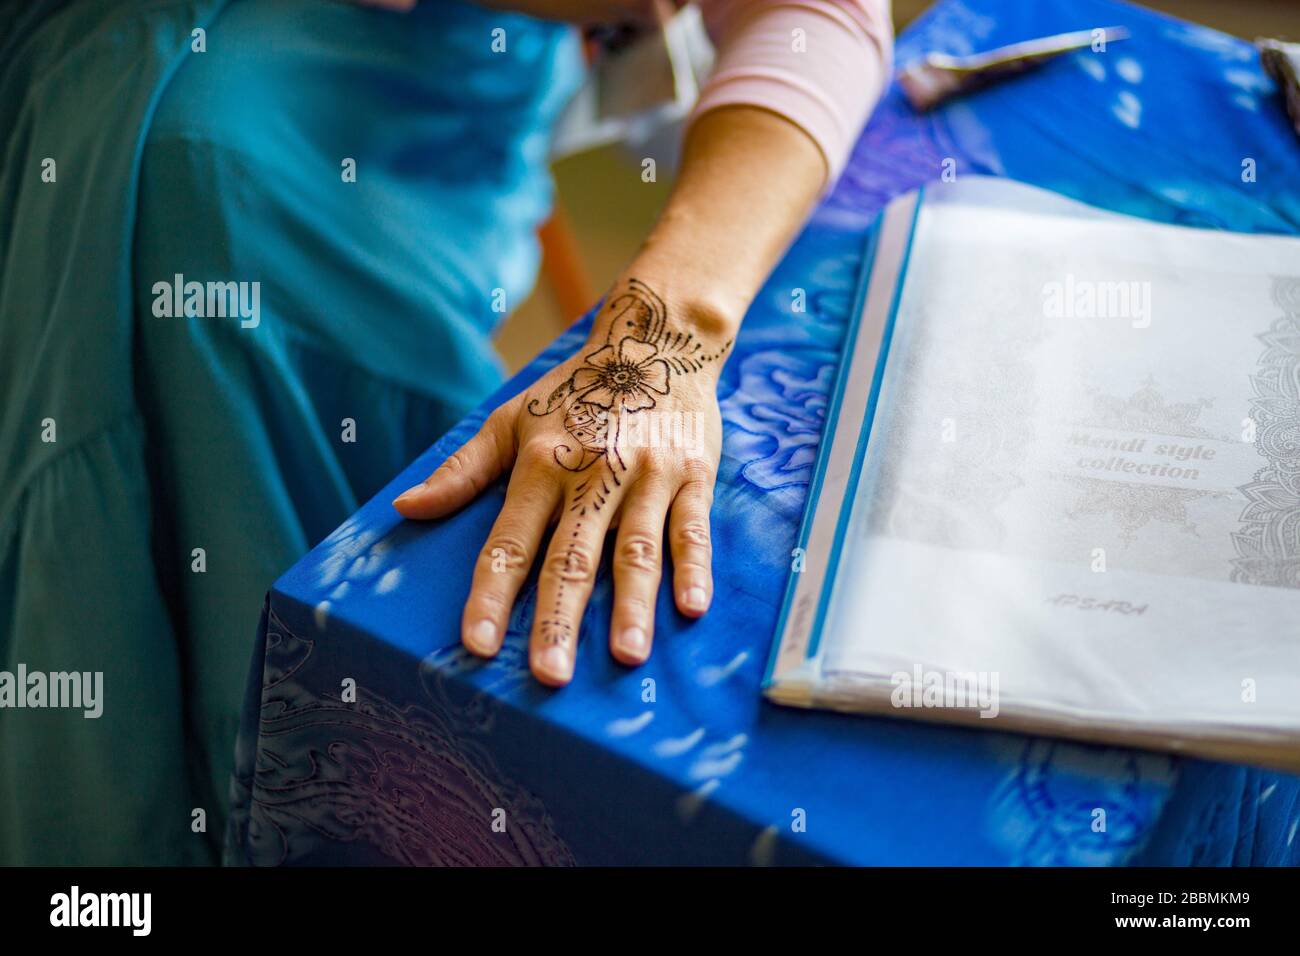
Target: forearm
(748, 180)
(774, 125)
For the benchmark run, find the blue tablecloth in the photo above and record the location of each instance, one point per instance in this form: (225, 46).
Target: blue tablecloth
(442, 758)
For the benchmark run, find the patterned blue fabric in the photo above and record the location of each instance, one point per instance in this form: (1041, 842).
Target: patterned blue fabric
(680, 760)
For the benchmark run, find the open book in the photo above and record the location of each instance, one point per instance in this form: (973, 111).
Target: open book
(1059, 490)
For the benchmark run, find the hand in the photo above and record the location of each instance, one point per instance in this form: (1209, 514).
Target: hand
(625, 433)
(593, 443)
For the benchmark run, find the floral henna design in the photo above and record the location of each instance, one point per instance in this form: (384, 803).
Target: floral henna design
(628, 374)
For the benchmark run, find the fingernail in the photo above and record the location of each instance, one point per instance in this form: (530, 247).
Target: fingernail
(482, 637)
(554, 662)
(408, 492)
(695, 599)
(632, 642)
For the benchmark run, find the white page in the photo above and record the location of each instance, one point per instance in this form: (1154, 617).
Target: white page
(1021, 445)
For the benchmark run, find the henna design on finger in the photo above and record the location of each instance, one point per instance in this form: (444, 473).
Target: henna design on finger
(555, 630)
(628, 374)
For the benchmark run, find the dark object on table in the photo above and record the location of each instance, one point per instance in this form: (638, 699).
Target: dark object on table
(1282, 62)
(929, 82)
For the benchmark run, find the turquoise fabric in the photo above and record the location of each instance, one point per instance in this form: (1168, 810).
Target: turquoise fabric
(177, 433)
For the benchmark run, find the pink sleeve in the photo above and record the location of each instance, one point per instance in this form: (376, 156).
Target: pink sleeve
(824, 79)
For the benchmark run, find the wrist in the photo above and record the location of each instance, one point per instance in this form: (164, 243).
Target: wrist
(643, 303)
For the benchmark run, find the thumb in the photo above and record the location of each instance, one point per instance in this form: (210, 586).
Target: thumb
(465, 473)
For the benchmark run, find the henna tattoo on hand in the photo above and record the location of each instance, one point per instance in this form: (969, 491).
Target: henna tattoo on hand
(628, 374)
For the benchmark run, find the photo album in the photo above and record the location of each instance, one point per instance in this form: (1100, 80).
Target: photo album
(1059, 488)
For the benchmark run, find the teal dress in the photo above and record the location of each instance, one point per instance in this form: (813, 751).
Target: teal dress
(362, 191)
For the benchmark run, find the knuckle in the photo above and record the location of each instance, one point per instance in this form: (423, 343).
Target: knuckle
(459, 467)
(654, 485)
(653, 467)
(693, 533)
(456, 463)
(537, 454)
(635, 606)
(574, 565)
(637, 552)
(504, 552)
(691, 572)
(697, 475)
(488, 602)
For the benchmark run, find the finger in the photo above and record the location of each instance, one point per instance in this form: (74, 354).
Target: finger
(691, 543)
(568, 575)
(506, 558)
(638, 566)
(465, 473)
